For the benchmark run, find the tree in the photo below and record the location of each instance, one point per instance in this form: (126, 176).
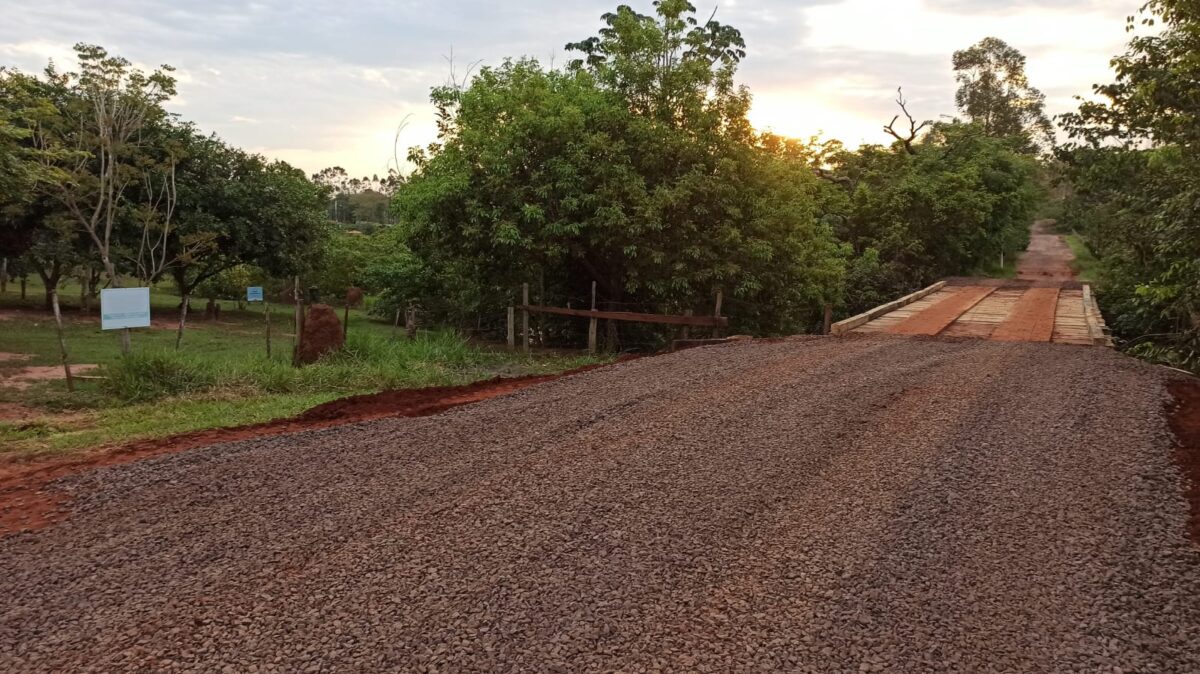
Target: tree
(95, 138)
(111, 103)
(943, 206)
(914, 129)
(668, 66)
(1134, 163)
(236, 208)
(995, 93)
(635, 168)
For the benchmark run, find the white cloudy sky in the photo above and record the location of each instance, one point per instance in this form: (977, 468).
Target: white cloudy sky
(321, 83)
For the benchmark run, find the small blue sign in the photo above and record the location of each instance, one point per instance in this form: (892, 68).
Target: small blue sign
(254, 294)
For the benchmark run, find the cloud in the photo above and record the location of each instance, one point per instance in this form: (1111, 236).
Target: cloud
(319, 83)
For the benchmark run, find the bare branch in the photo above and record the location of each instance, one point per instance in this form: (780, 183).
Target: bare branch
(914, 129)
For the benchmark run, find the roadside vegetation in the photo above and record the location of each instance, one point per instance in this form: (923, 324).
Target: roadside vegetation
(1087, 267)
(223, 378)
(1133, 167)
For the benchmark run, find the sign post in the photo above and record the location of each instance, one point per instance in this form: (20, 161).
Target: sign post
(122, 308)
(255, 294)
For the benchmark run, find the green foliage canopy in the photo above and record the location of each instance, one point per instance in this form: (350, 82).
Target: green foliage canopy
(1135, 167)
(635, 168)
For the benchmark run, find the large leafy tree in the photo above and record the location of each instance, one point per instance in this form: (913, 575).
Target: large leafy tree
(236, 208)
(635, 168)
(1135, 165)
(105, 107)
(994, 92)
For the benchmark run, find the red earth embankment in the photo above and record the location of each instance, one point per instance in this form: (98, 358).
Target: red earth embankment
(1185, 422)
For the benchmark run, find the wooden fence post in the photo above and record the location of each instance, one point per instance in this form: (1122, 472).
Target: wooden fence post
(396, 324)
(512, 329)
(346, 321)
(592, 324)
(62, 342)
(298, 319)
(827, 324)
(525, 316)
(686, 333)
(717, 313)
(267, 320)
(410, 323)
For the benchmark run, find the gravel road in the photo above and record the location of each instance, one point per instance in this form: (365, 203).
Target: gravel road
(860, 504)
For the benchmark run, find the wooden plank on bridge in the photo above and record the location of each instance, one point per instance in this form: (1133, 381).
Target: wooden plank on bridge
(844, 326)
(1032, 319)
(937, 318)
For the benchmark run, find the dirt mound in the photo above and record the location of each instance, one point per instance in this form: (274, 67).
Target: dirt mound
(322, 333)
(418, 401)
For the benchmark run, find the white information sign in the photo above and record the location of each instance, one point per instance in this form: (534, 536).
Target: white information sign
(124, 308)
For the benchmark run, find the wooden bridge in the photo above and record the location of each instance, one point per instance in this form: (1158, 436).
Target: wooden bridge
(1015, 311)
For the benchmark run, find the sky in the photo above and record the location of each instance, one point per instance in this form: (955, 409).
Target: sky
(320, 83)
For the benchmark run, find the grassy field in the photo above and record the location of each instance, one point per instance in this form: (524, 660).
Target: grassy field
(1087, 267)
(221, 377)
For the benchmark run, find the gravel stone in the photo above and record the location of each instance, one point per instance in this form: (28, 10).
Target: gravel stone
(811, 505)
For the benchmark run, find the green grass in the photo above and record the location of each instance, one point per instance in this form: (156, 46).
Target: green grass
(222, 375)
(994, 270)
(1087, 266)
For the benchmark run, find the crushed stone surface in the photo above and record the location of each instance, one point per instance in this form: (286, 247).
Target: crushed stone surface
(811, 505)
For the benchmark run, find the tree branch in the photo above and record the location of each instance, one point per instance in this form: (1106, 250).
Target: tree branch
(914, 129)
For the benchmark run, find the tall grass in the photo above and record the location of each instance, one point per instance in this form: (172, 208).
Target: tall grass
(368, 362)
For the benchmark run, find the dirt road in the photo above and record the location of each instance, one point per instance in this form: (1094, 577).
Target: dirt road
(1048, 257)
(860, 504)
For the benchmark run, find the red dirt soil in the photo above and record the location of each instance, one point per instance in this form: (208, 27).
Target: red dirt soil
(27, 505)
(938, 317)
(1185, 422)
(1032, 319)
(321, 333)
(1048, 256)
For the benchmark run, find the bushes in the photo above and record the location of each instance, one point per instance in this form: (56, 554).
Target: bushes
(368, 362)
(946, 209)
(1136, 209)
(660, 192)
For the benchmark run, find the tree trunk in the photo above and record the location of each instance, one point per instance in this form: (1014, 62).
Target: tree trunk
(62, 342)
(267, 318)
(24, 284)
(297, 322)
(3, 276)
(183, 309)
(50, 283)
